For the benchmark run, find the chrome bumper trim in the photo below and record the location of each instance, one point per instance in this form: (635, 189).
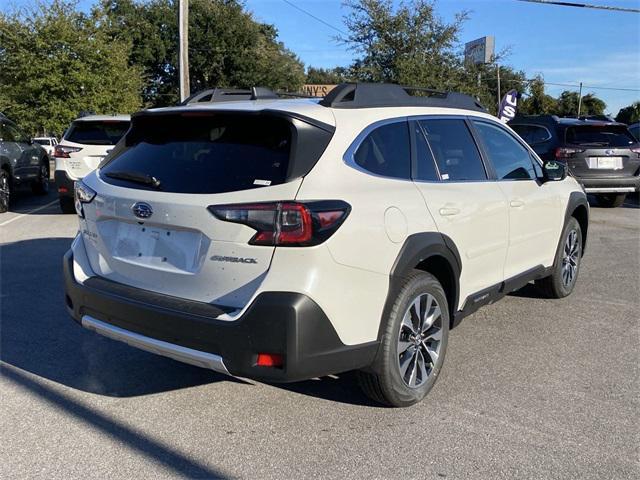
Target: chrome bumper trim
(610, 190)
(166, 349)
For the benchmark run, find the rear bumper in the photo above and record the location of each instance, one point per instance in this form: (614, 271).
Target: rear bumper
(610, 184)
(290, 324)
(64, 184)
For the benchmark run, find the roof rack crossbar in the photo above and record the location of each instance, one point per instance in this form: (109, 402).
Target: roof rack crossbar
(371, 95)
(215, 95)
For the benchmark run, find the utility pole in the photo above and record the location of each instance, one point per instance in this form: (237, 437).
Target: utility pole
(499, 98)
(580, 100)
(183, 48)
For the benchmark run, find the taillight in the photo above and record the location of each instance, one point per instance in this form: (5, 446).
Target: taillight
(636, 150)
(562, 152)
(63, 151)
(292, 224)
(82, 194)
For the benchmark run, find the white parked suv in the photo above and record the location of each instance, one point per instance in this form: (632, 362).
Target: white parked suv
(283, 240)
(81, 149)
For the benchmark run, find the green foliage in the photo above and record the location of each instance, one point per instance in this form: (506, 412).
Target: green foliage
(327, 76)
(630, 114)
(227, 47)
(56, 62)
(538, 102)
(567, 104)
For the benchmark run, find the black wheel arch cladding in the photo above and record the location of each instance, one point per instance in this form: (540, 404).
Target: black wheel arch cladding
(419, 249)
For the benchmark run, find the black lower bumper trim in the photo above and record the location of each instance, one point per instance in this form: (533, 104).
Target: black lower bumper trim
(63, 180)
(610, 182)
(286, 323)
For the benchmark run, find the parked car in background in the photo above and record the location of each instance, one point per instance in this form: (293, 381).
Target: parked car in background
(22, 162)
(602, 155)
(81, 149)
(635, 130)
(287, 239)
(48, 143)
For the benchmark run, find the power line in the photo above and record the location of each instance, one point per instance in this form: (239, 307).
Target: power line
(291, 4)
(584, 5)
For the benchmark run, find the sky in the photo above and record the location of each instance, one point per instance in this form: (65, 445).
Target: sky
(565, 45)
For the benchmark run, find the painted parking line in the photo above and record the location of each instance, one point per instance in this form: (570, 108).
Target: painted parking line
(28, 213)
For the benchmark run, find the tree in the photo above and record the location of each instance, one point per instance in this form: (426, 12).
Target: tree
(327, 76)
(630, 114)
(408, 44)
(227, 47)
(57, 62)
(567, 105)
(538, 102)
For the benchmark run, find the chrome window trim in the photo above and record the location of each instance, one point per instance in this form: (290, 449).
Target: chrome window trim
(349, 157)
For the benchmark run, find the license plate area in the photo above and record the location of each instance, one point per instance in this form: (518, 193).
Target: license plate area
(605, 163)
(150, 246)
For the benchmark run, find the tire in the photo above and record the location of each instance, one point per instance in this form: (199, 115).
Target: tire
(566, 265)
(611, 200)
(5, 191)
(66, 205)
(41, 185)
(387, 382)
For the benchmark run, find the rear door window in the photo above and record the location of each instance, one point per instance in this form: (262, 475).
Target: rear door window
(510, 159)
(205, 153)
(454, 149)
(532, 134)
(97, 132)
(599, 136)
(386, 151)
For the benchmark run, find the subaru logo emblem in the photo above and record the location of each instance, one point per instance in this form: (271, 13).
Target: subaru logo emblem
(609, 152)
(142, 210)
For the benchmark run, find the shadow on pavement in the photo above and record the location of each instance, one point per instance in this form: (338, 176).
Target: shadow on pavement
(37, 334)
(136, 441)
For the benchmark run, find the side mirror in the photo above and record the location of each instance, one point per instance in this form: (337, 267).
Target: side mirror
(554, 171)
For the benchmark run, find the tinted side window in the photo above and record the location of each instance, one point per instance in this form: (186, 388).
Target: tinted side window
(5, 134)
(425, 164)
(17, 135)
(532, 133)
(385, 151)
(456, 153)
(510, 159)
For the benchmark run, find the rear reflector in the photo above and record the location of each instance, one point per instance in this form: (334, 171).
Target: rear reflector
(63, 190)
(269, 360)
(293, 224)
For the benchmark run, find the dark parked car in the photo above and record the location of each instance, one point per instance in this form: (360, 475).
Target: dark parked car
(22, 162)
(601, 154)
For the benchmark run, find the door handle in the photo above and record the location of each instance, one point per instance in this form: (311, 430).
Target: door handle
(449, 211)
(516, 203)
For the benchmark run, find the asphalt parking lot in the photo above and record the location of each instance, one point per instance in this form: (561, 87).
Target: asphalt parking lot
(531, 388)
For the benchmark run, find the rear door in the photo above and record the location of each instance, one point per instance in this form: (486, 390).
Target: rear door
(93, 140)
(163, 237)
(535, 208)
(466, 204)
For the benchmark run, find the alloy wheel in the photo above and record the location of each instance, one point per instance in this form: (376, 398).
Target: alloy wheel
(570, 258)
(419, 340)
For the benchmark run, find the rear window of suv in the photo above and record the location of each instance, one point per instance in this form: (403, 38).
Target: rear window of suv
(599, 136)
(213, 153)
(90, 132)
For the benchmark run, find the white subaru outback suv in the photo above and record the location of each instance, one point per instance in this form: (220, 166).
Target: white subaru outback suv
(287, 239)
(82, 147)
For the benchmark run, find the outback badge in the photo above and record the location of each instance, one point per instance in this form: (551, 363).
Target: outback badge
(142, 210)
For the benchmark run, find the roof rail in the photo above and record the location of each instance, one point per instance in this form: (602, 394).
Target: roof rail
(371, 95)
(542, 118)
(603, 118)
(214, 95)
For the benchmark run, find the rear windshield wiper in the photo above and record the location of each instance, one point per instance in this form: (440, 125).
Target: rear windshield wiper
(135, 177)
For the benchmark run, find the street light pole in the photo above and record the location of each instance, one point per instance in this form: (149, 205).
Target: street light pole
(580, 100)
(499, 97)
(183, 48)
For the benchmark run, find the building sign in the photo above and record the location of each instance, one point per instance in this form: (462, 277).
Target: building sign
(317, 90)
(480, 50)
(508, 106)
